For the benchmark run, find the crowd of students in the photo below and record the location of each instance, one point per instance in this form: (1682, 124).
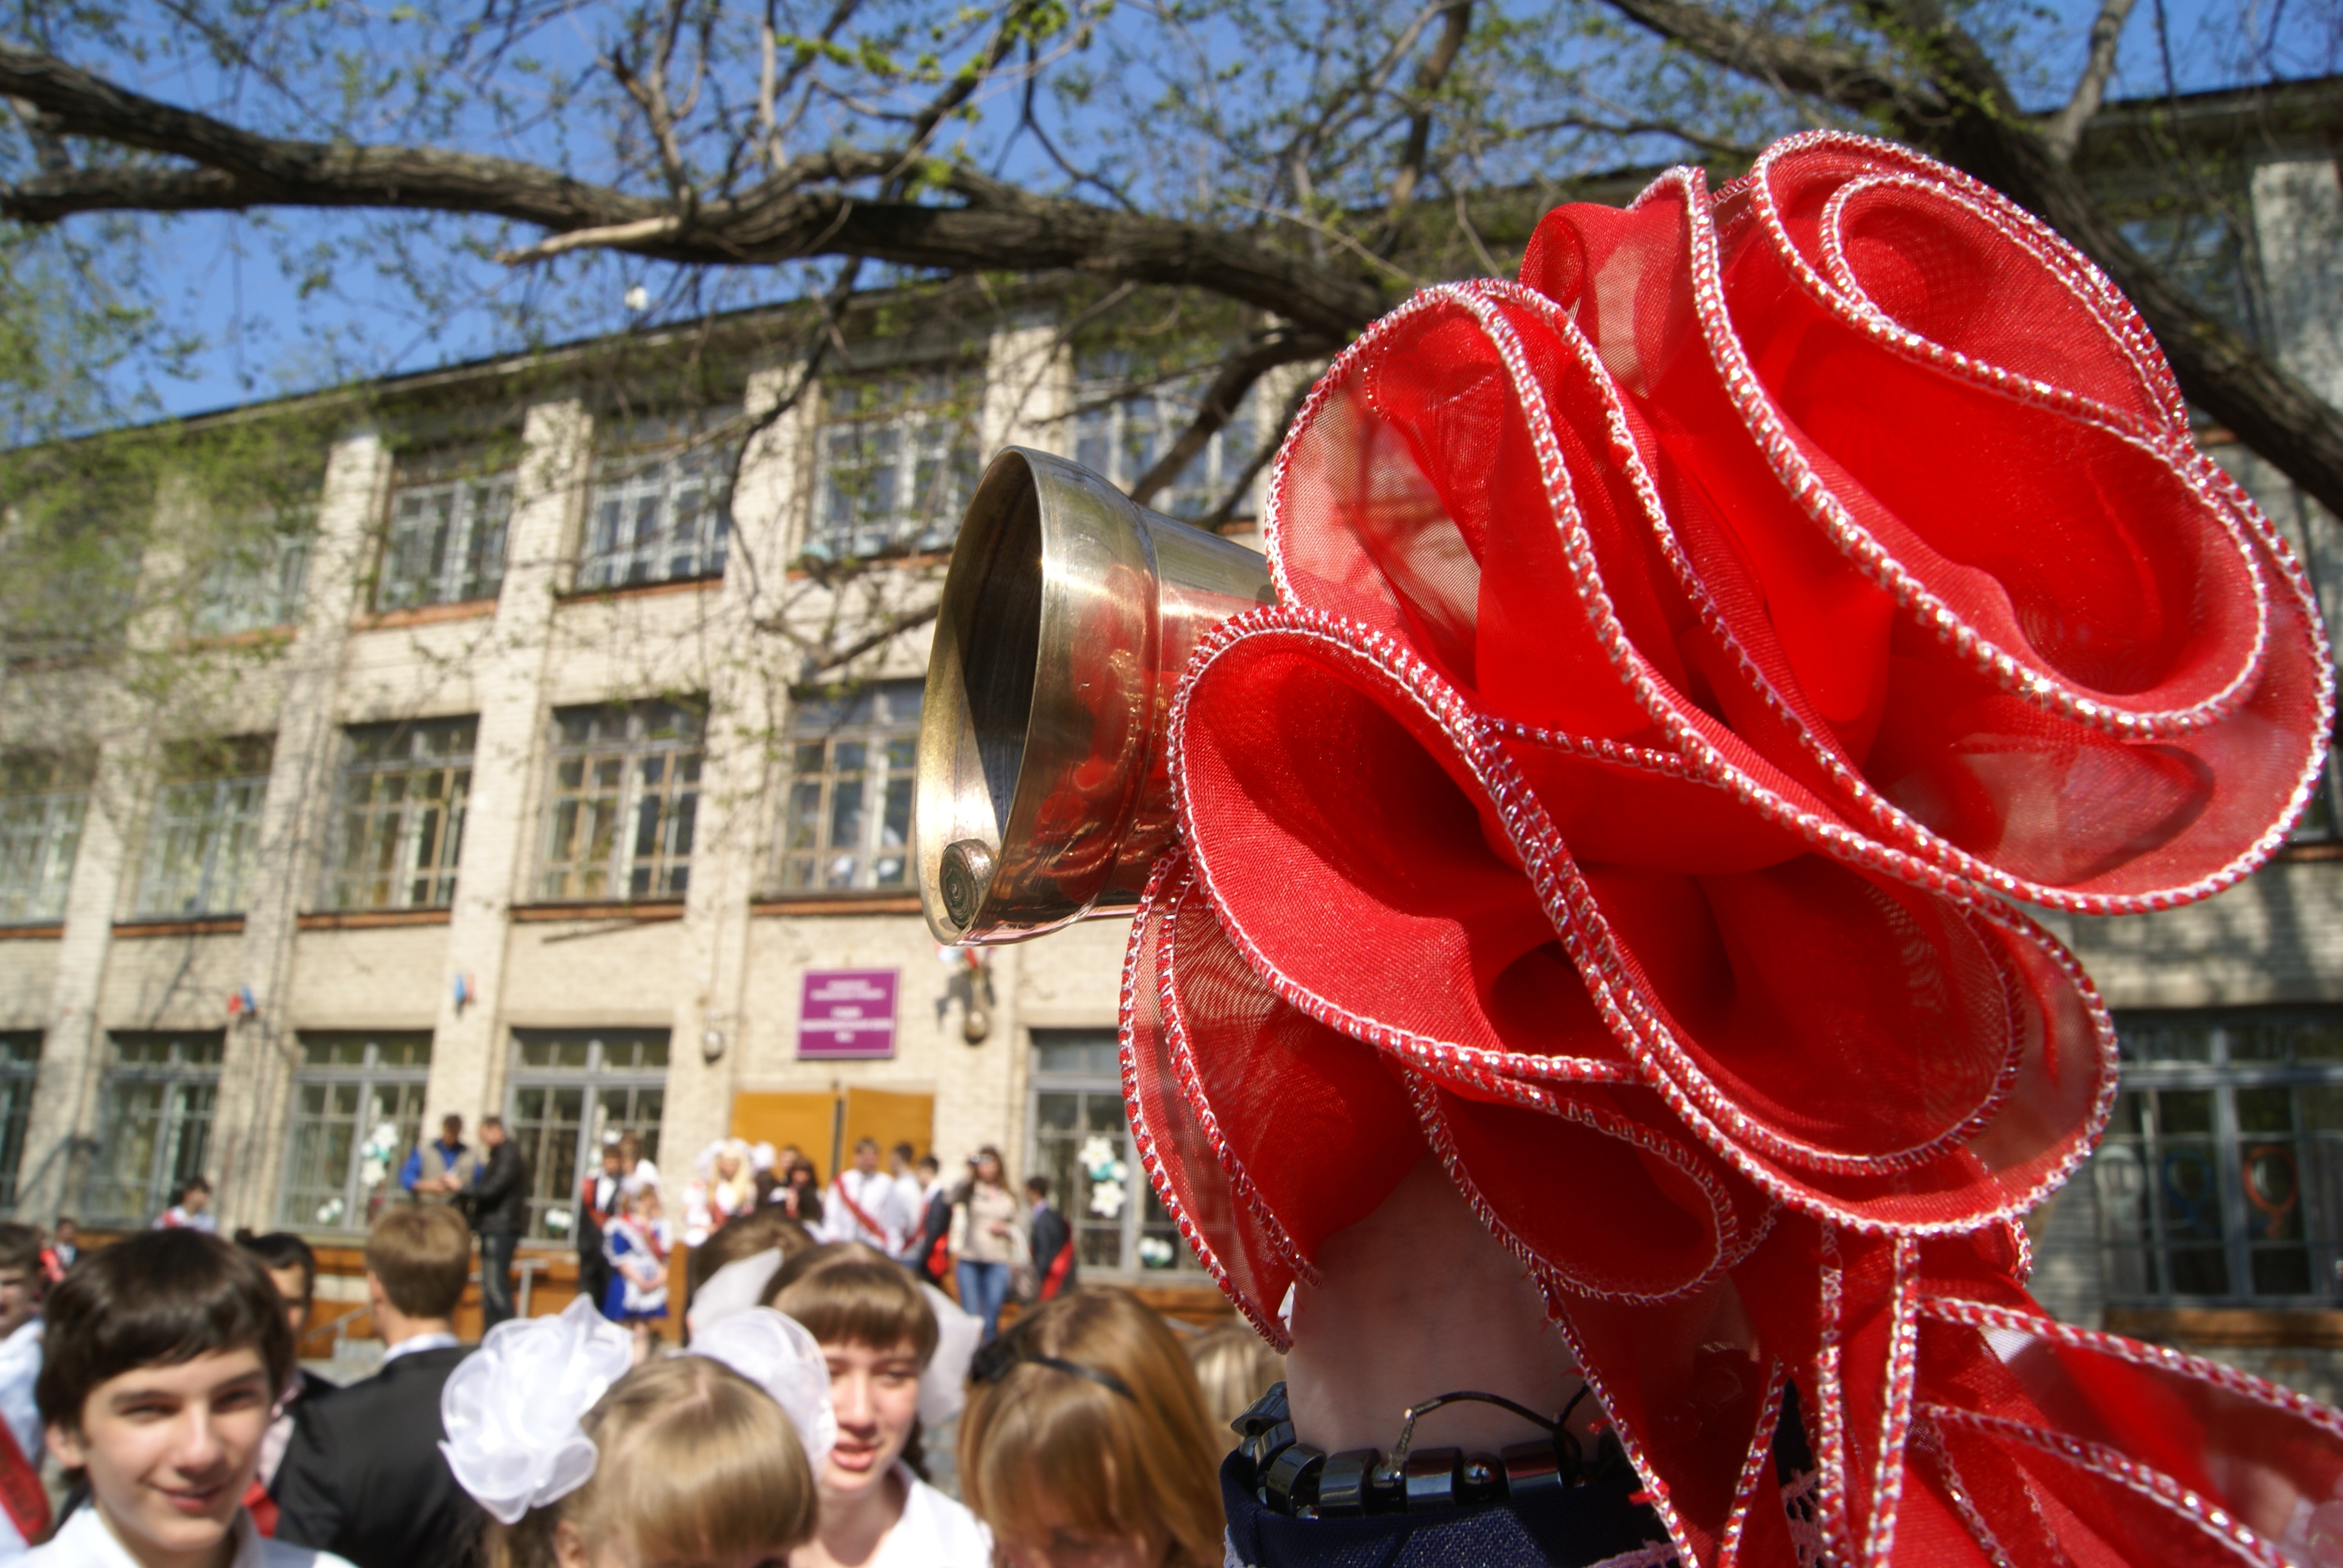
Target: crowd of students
(974, 1233)
(160, 1373)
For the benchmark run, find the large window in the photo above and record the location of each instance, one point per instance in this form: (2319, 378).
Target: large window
(155, 1123)
(570, 1087)
(2222, 1176)
(445, 539)
(42, 800)
(848, 821)
(401, 824)
(20, 1065)
(1122, 437)
(1082, 1143)
(901, 456)
(205, 838)
(357, 1104)
(661, 510)
(254, 584)
(625, 796)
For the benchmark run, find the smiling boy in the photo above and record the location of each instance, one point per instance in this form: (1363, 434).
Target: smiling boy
(164, 1355)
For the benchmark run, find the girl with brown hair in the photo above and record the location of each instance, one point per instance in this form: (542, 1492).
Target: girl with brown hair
(698, 1460)
(878, 1334)
(1085, 1443)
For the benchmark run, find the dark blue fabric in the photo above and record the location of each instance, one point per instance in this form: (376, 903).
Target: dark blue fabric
(1574, 1528)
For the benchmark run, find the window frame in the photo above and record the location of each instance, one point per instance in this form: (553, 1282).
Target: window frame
(664, 461)
(2223, 1078)
(40, 832)
(166, 1162)
(924, 418)
(20, 1075)
(1142, 1215)
(668, 876)
(478, 529)
(552, 1189)
(370, 1074)
(223, 798)
(1108, 418)
(408, 810)
(260, 586)
(872, 717)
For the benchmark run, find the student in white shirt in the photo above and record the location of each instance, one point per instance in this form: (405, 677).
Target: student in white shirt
(163, 1355)
(866, 1205)
(878, 1334)
(23, 1283)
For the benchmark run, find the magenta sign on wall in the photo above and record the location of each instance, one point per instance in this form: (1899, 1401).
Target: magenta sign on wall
(847, 1013)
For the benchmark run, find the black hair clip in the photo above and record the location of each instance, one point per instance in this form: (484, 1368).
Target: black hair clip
(992, 1363)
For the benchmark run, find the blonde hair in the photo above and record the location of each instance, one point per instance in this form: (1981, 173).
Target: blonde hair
(1042, 1447)
(1235, 1368)
(847, 1293)
(694, 1463)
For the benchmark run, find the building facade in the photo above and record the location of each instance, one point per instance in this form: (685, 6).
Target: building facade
(577, 786)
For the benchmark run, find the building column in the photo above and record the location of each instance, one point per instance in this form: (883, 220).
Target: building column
(256, 1071)
(467, 1055)
(64, 1116)
(748, 701)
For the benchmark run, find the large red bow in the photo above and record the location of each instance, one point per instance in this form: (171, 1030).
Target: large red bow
(1679, 657)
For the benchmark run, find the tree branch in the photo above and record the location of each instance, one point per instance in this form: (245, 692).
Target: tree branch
(2065, 131)
(1003, 227)
(1806, 66)
(1220, 404)
(1456, 22)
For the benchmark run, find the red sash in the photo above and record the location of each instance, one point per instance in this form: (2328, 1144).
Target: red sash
(1055, 1280)
(20, 1492)
(261, 1506)
(855, 1209)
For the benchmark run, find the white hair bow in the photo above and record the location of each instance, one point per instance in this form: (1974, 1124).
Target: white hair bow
(736, 1288)
(511, 1408)
(514, 1409)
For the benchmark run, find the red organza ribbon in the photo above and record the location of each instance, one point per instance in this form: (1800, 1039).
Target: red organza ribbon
(1680, 657)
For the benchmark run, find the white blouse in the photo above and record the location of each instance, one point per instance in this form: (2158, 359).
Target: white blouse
(87, 1543)
(934, 1533)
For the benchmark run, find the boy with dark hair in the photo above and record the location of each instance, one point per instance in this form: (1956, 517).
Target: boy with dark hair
(364, 1475)
(24, 1281)
(162, 1356)
(292, 1268)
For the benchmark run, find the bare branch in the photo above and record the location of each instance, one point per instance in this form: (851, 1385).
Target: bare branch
(1837, 74)
(1226, 511)
(2065, 131)
(965, 82)
(1457, 21)
(1220, 404)
(615, 236)
(647, 87)
(1002, 227)
(886, 631)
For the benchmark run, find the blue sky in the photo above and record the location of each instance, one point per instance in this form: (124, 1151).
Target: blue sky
(222, 277)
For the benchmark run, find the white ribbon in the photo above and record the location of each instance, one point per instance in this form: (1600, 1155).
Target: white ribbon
(734, 1289)
(514, 1410)
(774, 1351)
